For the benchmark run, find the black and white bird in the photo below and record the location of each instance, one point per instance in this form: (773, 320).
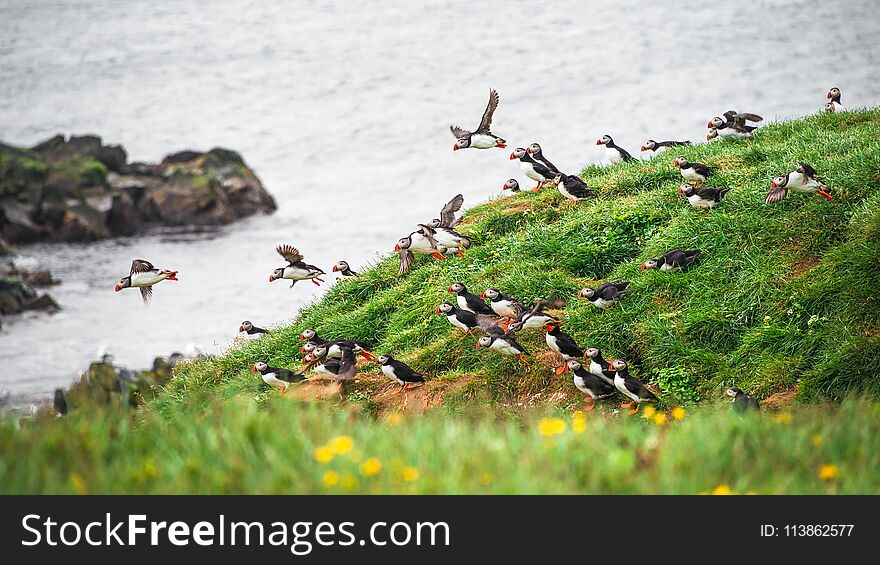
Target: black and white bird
(447, 217)
(309, 335)
(704, 197)
(343, 269)
(504, 343)
(469, 301)
(630, 386)
(712, 135)
(296, 269)
(562, 343)
(250, 329)
(572, 187)
(660, 146)
(803, 179)
(512, 185)
(536, 317)
(482, 138)
(321, 356)
(692, 172)
(599, 366)
(465, 320)
(448, 240)
(399, 371)
(503, 305)
(675, 260)
(422, 242)
(606, 295)
(613, 152)
(277, 377)
(833, 104)
(588, 383)
(733, 124)
(143, 275)
(536, 171)
(538, 155)
(741, 401)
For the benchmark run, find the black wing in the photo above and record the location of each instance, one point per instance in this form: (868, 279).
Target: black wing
(671, 143)
(541, 168)
(537, 308)
(405, 373)
(347, 366)
(290, 253)
(459, 132)
(141, 266)
(807, 170)
(568, 345)
(624, 153)
(476, 304)
(429, 233)
(146, 293)
(447, 214)
(575, 185)
(488, 324)
(406, 261)
(702, 169)
(486, 122)
(741, 118)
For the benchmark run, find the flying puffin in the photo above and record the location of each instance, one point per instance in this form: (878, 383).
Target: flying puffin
(536, 171)
(359, 347)
(693, 172)
(399, 371)
(447, 217)
(802, 179)
(660, 146)
(833, 97)
(606, 295)
(323, 353)
(705, 197)
(599, 366)
(572, 187)
(295, 270)
(588, 383)
(630, 386)
(506, 344)
(482, 138)
(741, 401)
(512, 185)
(465, 320)
(421, 241)
(468, 301)
(538, 155)
(343, 269)
(251, 329)
(675, 260)
(276, 377)
(562, 343)
(536, 317)
(614, 153)
(733, 124)
(144, 275)
(503, 305)
(449, 239)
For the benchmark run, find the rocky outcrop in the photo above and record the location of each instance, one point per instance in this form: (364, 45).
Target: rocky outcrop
(80, 189)
(17, 293)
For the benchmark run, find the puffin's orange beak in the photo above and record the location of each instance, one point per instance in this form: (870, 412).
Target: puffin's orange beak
(118, 287)
(271, 278)
(709, 125)
(396, 248)
(449, 289)
(512, 156)
(483, 295)
(241, 328)
(598, 142)
(675, 164)
(642, 267)
(548, 328)
(437, 311)
(301, 338)
(643, 148)
(679, 191)
(828, 96)
(455, 147)
(580, 294)
(478, 345)
(253, 369)
(504, 186)
(335, 269)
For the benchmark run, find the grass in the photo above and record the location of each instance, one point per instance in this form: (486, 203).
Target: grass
(784, 301)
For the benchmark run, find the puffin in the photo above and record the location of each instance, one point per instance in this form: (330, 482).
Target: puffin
(712, 135)
(295, 270)
(833, 97)
(447, 217)
(399, 372)
(448, 239)
(741, 401)
(572, 187)
(468, 301)
(693, 172)
(660, 146)
(589, 384)
(630, 386)
(536, 317)
(675, 260)
(421, 241)
(614, 153)
(359, 347)
(59, 402)
(343, 269)
(466, 320)
(250, 329)
(512, 185)
(538, 155)
(606, 295)
(457, 248)
(734, 125)
(802, 179)
(482, 138)
(324, 353)
(276, 377)
(503, 305)
(705, 197)
(144, 275)
(562, 343)
(536, 171)
(505, 343)
(599, 366)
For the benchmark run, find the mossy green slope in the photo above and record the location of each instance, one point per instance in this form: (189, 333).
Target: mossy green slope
(785, 295)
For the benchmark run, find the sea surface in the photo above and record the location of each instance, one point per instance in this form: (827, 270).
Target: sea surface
(343, 110)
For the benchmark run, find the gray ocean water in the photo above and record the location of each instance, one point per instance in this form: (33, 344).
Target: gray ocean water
(343, 110)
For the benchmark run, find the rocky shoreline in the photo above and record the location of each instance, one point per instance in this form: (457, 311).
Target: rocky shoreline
(79, 189)
(18, 290)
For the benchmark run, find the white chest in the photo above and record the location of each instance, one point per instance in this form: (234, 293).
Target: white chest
(613, 155)
(454, 321)
(698, 202)
(480, 141)
(529, 171)
(146, 279)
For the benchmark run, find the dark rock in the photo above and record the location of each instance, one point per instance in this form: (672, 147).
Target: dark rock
(39, 278)
(139, 168)
(185, 198)
(45, 303)
(83, 223)
(220, 156)
(114, 158)
(123, 217)
(4, 247)
(14, 295)
(16, 223)
(184, 156)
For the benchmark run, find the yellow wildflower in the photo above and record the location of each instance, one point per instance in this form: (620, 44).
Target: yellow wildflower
(78, 483)
(331, 478)
(679, 412)
(579, 422)
(150, 469)
(370, 467)
(817, 440)
(648, 412)
(660, 419)
(551, 426)
(782, 418)
(324, 454)
(828, 472)
(410, 474)
(341, 445)
(394, 419)
(722, 490)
